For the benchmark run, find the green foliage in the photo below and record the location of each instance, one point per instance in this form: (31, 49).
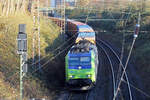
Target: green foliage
(9, 59)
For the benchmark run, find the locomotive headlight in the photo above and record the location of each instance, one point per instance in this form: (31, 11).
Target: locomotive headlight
(71, 76)
(79, 67)
(89, 76)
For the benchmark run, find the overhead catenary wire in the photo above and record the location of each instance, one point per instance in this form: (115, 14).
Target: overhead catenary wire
(113, 76)
(88, 15)
(39, 60)
(42, 66)
(96, 19)
(120, 62)
(111, 66)
(45, 56)
(50, 59)
(39, 44)
(122, 48)
(128, 58)
(124, 69)
(139, 90)
(71, 38)
(105, 53)
(121, 66)
(34, 34)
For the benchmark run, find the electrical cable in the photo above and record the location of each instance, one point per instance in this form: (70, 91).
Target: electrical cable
(44, 57)
(128, 58)
(111, 66)
(141, 91)
(121, 66)
(42, 66)
(88, 16)
(39, 46)
(50, 60)
(124, 69)
(122, 49)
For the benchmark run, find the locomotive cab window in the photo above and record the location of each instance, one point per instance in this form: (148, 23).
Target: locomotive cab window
(84, 59)
(73, 63)
(73, 58)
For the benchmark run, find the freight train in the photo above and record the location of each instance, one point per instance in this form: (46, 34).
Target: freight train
(81, 62)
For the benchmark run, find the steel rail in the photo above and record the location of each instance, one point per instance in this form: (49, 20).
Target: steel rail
(121, 65)
(111, 65)
(85, 95)
(69, 97)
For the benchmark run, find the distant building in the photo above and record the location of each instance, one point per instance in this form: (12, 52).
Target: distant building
(53, 3)
(56, 3)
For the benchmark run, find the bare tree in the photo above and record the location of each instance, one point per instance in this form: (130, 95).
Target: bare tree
(23, 6)
(18, 5)
(8, 7)
(4, 7)
(12, 8)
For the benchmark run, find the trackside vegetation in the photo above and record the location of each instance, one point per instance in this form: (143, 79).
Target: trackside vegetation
(34, 83)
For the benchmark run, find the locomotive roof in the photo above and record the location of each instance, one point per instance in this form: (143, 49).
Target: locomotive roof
(76, 22)
(82, 46)
(86, 34)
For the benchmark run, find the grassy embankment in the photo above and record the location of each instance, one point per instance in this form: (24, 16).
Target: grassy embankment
(9, 59)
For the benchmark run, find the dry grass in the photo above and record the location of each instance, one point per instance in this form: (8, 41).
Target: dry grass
(9, 59)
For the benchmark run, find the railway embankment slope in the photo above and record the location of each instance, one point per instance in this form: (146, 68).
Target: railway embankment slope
(34, 83)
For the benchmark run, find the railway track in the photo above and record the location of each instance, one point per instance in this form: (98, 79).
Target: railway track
(114, 61)
(107, 78)
(105, 82)
(78, 95)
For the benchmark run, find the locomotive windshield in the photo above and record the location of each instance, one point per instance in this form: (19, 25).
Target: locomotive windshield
(84, 59)
(76, 61)
(86, 34)
(73, 58)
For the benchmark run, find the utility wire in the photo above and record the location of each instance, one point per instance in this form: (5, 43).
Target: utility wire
(122, 49)
(44, 57)
(88, 16)
(111, 66)
(122, 68)
(39, 46)
(58, 47)
(50, 60)
(141, 91)
(135, 36)
(42, 66)
(121, 61)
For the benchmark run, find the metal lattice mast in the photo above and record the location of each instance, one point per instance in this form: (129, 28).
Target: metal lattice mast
(47, 7)
(36, 32)
(38, 22)
(63, 7)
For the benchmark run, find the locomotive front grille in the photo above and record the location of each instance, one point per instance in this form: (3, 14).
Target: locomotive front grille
(80, 82)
